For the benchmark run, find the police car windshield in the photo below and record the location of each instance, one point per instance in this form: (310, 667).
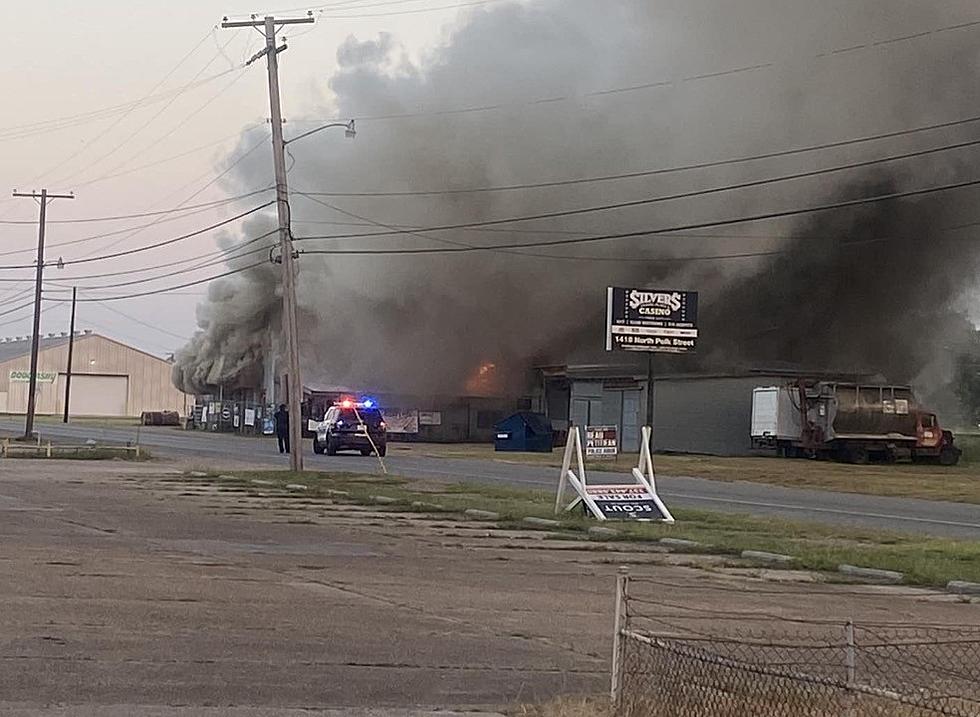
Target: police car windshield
(370, 416)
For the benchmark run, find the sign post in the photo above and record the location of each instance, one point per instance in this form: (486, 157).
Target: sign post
(637, 500)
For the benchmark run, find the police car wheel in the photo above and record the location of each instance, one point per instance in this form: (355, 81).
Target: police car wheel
(382, 451)
(317, 448)
(331, 448)
(365, 451)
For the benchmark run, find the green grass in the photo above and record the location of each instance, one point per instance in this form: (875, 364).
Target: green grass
(924, 560)
(924, 481)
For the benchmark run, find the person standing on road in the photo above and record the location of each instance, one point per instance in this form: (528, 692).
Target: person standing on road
(282, 427)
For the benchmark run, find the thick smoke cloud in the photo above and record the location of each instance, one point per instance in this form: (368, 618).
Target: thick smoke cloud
(861, 289)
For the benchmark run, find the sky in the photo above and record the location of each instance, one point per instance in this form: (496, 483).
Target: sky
(143, 107)
(66, 62)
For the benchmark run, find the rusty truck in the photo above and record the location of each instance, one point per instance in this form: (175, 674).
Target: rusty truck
(850, 422)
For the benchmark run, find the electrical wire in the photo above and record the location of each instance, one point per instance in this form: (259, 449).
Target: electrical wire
(678, 195)
(648, 232)
(117, 232)
(16, 132)
(140, 321)
(140, 215)
(155, 245)
(166, 290)
(201, 189)
(659, 171)
(215, 258)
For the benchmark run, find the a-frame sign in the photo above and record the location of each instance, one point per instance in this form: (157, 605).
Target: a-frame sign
(637, 500)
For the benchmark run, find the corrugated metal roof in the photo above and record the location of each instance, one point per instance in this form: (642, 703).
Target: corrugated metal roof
(15, 349)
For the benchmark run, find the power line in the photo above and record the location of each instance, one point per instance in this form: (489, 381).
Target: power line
(207, 184)
(117, 217)
(659, 171)
(126, 114)
(656, 84)
(648, 232)
(140, 321)
(407, 12)
(663, 198)
(211, 259)
(167, 289)
(155, 245)
(131, 230)
(31, 129)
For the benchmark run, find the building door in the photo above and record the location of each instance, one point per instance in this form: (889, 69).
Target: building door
(631, 422)
(95, 395)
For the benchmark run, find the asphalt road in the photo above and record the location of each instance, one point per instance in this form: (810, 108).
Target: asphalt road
(946, 519)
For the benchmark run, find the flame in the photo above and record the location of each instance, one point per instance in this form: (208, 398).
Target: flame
(484, 381)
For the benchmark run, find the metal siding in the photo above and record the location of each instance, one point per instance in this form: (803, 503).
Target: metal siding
(150, 386)
(710, 416)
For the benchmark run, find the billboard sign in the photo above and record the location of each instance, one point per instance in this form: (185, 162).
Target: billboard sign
(601, 441)
(658, 320)
(625, 502)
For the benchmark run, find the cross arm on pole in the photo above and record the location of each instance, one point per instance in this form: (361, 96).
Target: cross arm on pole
(37, 195)
(261, 23)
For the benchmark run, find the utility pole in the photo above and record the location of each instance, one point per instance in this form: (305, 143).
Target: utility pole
(71, 350)
(42, 197)
(294, 384)
(650, 390)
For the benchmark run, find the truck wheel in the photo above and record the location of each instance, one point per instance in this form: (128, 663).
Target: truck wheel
(331, 447)
(317, 448)
(949, 456)
(857, 455)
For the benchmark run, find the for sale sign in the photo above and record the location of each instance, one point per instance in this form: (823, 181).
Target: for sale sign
(625, 502)
(601, 442)
(658, 320)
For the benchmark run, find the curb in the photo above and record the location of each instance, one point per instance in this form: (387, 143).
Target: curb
(680, 543)
(482, 514)
(422, 504)
(600, 532)
(885, 576)
(763, 556)
(962, 587)
(541, 522)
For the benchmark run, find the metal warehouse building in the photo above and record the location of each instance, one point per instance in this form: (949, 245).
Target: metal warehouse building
(109, 378)
(698, 413)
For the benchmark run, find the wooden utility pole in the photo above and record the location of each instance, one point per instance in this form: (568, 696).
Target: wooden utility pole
(71, 350)
(42, 197)
(294, 384)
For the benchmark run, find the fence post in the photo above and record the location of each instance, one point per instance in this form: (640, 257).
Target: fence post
(620, 623)
(849, 657)
(49, 449)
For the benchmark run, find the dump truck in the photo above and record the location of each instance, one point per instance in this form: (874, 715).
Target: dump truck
(850, 422)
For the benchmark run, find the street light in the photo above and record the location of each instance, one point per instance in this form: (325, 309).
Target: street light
(348, 126)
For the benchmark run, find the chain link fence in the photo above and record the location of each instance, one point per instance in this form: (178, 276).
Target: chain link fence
(674, 659)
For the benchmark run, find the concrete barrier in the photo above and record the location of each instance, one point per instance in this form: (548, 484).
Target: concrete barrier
(482, 514)
(680, 543)
(383, 499)
(600, 532)
(763, 556)
(883, 576)
(962, 587)
(542, 522)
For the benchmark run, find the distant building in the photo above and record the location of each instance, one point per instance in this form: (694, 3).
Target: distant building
(109, 378)
(693, 413)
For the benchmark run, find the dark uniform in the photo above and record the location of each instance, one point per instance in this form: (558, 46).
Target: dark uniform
(282, 428)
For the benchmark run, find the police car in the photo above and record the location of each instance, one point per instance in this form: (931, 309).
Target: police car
(352, 425)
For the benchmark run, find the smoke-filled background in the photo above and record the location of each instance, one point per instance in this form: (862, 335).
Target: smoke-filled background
(547, 90)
